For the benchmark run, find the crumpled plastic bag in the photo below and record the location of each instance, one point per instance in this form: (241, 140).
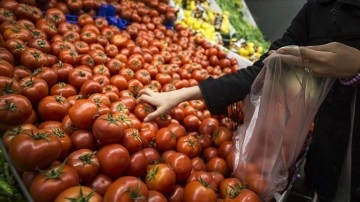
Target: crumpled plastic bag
(279, 110)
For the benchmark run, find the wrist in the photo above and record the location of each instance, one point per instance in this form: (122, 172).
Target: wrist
(351, 81)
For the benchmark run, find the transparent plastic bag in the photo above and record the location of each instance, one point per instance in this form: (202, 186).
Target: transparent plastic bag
(279, 110)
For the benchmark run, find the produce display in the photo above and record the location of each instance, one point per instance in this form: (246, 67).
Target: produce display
(70, 122)
(223, 23)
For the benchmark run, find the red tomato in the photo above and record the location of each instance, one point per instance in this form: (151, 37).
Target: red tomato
(83, 113)
(189, 145)
(210, 153)
(161, 177)
(114, 159)
(165, 140)
(141, 110)
(52, 182)
(83, 139)
(127, 189)
(198, 164)
(131, 140)
(138, 164)
(100, 183)
(192, 122)
(79, 193)
(85, 162)
(63, 89)
(181, 164)
(34, 88)
(10, 133)
(244, 195)
(14, 109)
(64, 138)
(221, 134)
(197, 191)
(225, 148)
(53, 107)
(152, 155)
(40, 146)
(33, 58)
(217, 164)
(230, 187)
(208, 126)
(108, 129)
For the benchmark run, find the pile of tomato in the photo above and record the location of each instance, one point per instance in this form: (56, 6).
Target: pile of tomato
(70, 120)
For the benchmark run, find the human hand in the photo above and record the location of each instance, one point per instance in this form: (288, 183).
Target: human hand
(166, 101)
(330, 60)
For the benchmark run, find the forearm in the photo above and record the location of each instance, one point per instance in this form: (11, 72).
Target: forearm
(190, 93)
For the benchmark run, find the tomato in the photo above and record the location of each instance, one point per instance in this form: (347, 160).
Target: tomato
(203, 177)
(230, 187)
(208, 126)
(198, 164)
(99, 183)
(163, 120)
(33, 58)
(34, 88)
(52, 182)
(85, 162)
(47, 74)
(63, 70)
(138, 164)
(127, 189)
(189, 145)
(83, 139)
(108, 129)
(53, 107)
(165, 140)
(181, 164)
(69, 56)
(132, 140)
(41, 148)
(14, 109)
(161, 177)
(78, 193)
(83, 113)
(244, 195)
(210, 152)
(197, 191)
(226, 148)
(90, 87)
(114, 159)
(13, 131)
(191, 122)
(141, 110)
(65, 140)
(63, 89)
(177, 129)
(217, 164)
(47, 26)
(152, 155)
(9, 86)
(221, 134)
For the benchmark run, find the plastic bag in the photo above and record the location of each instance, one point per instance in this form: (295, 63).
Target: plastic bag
(279, 110)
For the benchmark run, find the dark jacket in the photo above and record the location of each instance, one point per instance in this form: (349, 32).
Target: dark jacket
(318, 22)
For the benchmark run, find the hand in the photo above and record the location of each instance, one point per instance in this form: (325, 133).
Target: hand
(329, 60)
(166, 101)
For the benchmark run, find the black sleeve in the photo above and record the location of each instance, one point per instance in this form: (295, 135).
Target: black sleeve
(230, 88)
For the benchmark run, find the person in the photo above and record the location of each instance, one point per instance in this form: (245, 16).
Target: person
(328, 34)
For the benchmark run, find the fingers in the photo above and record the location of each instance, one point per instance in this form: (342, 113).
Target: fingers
(291, 59)
(288, 50)
(155, 114)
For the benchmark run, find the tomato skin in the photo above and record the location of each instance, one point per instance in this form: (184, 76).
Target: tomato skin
(230, 187)
(78, 193)
(108, 129)
(220, 135)
(217, 164)
(152, 155)
(33, 58)
(53, 107)
(83, 139)
(41, 147)
(99, 183)
(114, 159)
(63, 89)
(34, 88)
(195, 191)
(189, 145)
(176, 195)
(165, 140)
(161, 177)
(63, 177)
(138, 164)
(181, 165)
(191, 122)
(208, 126)
(85, 162)
(83, 113)
(245, 195)
(127, 189)
(14, 109)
